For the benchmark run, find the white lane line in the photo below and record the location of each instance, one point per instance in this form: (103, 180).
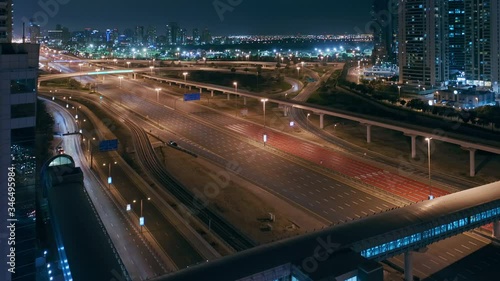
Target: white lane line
(459, 251)
(466, 247)
(450, 254)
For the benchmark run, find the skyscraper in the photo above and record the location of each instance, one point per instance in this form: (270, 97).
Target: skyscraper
(18, 95)
(5, 21)
(495, 44)
(385, 28)
(481, 42)
(173, 34)
(196, 36)
(456, 36)
(423, 43)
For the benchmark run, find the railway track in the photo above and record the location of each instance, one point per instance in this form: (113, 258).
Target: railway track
(155, 169)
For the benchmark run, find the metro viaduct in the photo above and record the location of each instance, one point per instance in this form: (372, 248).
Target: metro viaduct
(354, 248)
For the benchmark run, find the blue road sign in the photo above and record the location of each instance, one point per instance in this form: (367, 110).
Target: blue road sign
(108, 145)
(191, 97)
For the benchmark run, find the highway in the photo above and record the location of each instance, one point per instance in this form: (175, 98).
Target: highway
(300, 184)
(139, 261)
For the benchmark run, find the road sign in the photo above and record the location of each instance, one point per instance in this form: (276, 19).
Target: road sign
(129, 207)
(110, 180)
(191, 97)
(108, 145)
(141, 221)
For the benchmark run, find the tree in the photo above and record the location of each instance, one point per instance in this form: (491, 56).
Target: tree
(233, 70)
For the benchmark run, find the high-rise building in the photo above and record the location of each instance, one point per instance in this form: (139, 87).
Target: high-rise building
(151, 35)
(385, 29)
(18, 96)
(196, 36)
(5, 21)
(481, 42)
(423, 43)
(206, 37)
(456, 37)
(34, 32)
(173, 34)
(139, 34)
(495, 44)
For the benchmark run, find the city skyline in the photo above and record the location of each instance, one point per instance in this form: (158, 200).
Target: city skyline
(278, 17)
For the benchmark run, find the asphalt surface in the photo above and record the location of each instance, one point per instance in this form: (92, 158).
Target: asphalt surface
(137, 257)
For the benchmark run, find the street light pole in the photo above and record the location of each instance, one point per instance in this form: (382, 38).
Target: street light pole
(399, 92)
(120, 78)
(298, 71)
(158, 94)
(264, 108)
(307, 121)
(236, 99)
(185, 85)
(429, 164)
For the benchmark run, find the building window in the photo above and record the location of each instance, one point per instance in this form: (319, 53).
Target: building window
(22, 86)
(22, 110)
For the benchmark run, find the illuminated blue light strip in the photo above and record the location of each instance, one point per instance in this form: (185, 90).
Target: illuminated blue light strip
(435, 231)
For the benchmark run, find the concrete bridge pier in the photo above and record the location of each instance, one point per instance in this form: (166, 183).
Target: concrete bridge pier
(409, 266)
(135, 76)
(244, 100)
(228, 97)
(368, 133)
(201, 90)
(285, 110)
(190, 88)
(321, 121)
(413, 145)
(472, 160)
(212, 93)
(496, 229)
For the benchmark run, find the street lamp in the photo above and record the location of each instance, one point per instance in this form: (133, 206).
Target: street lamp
(298, 71)
(110, 179)
(307, 121)
(121, 78)
(235, 84)
(399, 92)
(128, 64)
(151, 68)
(429, 164)
(141, 218)
(185, 84)
(264, 107)
(158, 94)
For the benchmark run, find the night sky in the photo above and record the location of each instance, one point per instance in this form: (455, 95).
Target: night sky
(249, 17)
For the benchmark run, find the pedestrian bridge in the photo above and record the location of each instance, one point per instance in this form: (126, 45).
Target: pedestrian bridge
(372, 238)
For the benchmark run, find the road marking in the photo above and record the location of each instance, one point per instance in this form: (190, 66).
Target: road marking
(450, 254)
(340, 207)
(472, 243)
(466, 247)
(355, 202)
(459, 251)
(332, 209)
(361, 200)
(332, 197)
(324, 199)
(428, 267)
(434, 261)
(443, 258)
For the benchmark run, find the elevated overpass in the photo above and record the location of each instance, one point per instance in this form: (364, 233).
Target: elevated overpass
(374, 238)
(467, 143)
